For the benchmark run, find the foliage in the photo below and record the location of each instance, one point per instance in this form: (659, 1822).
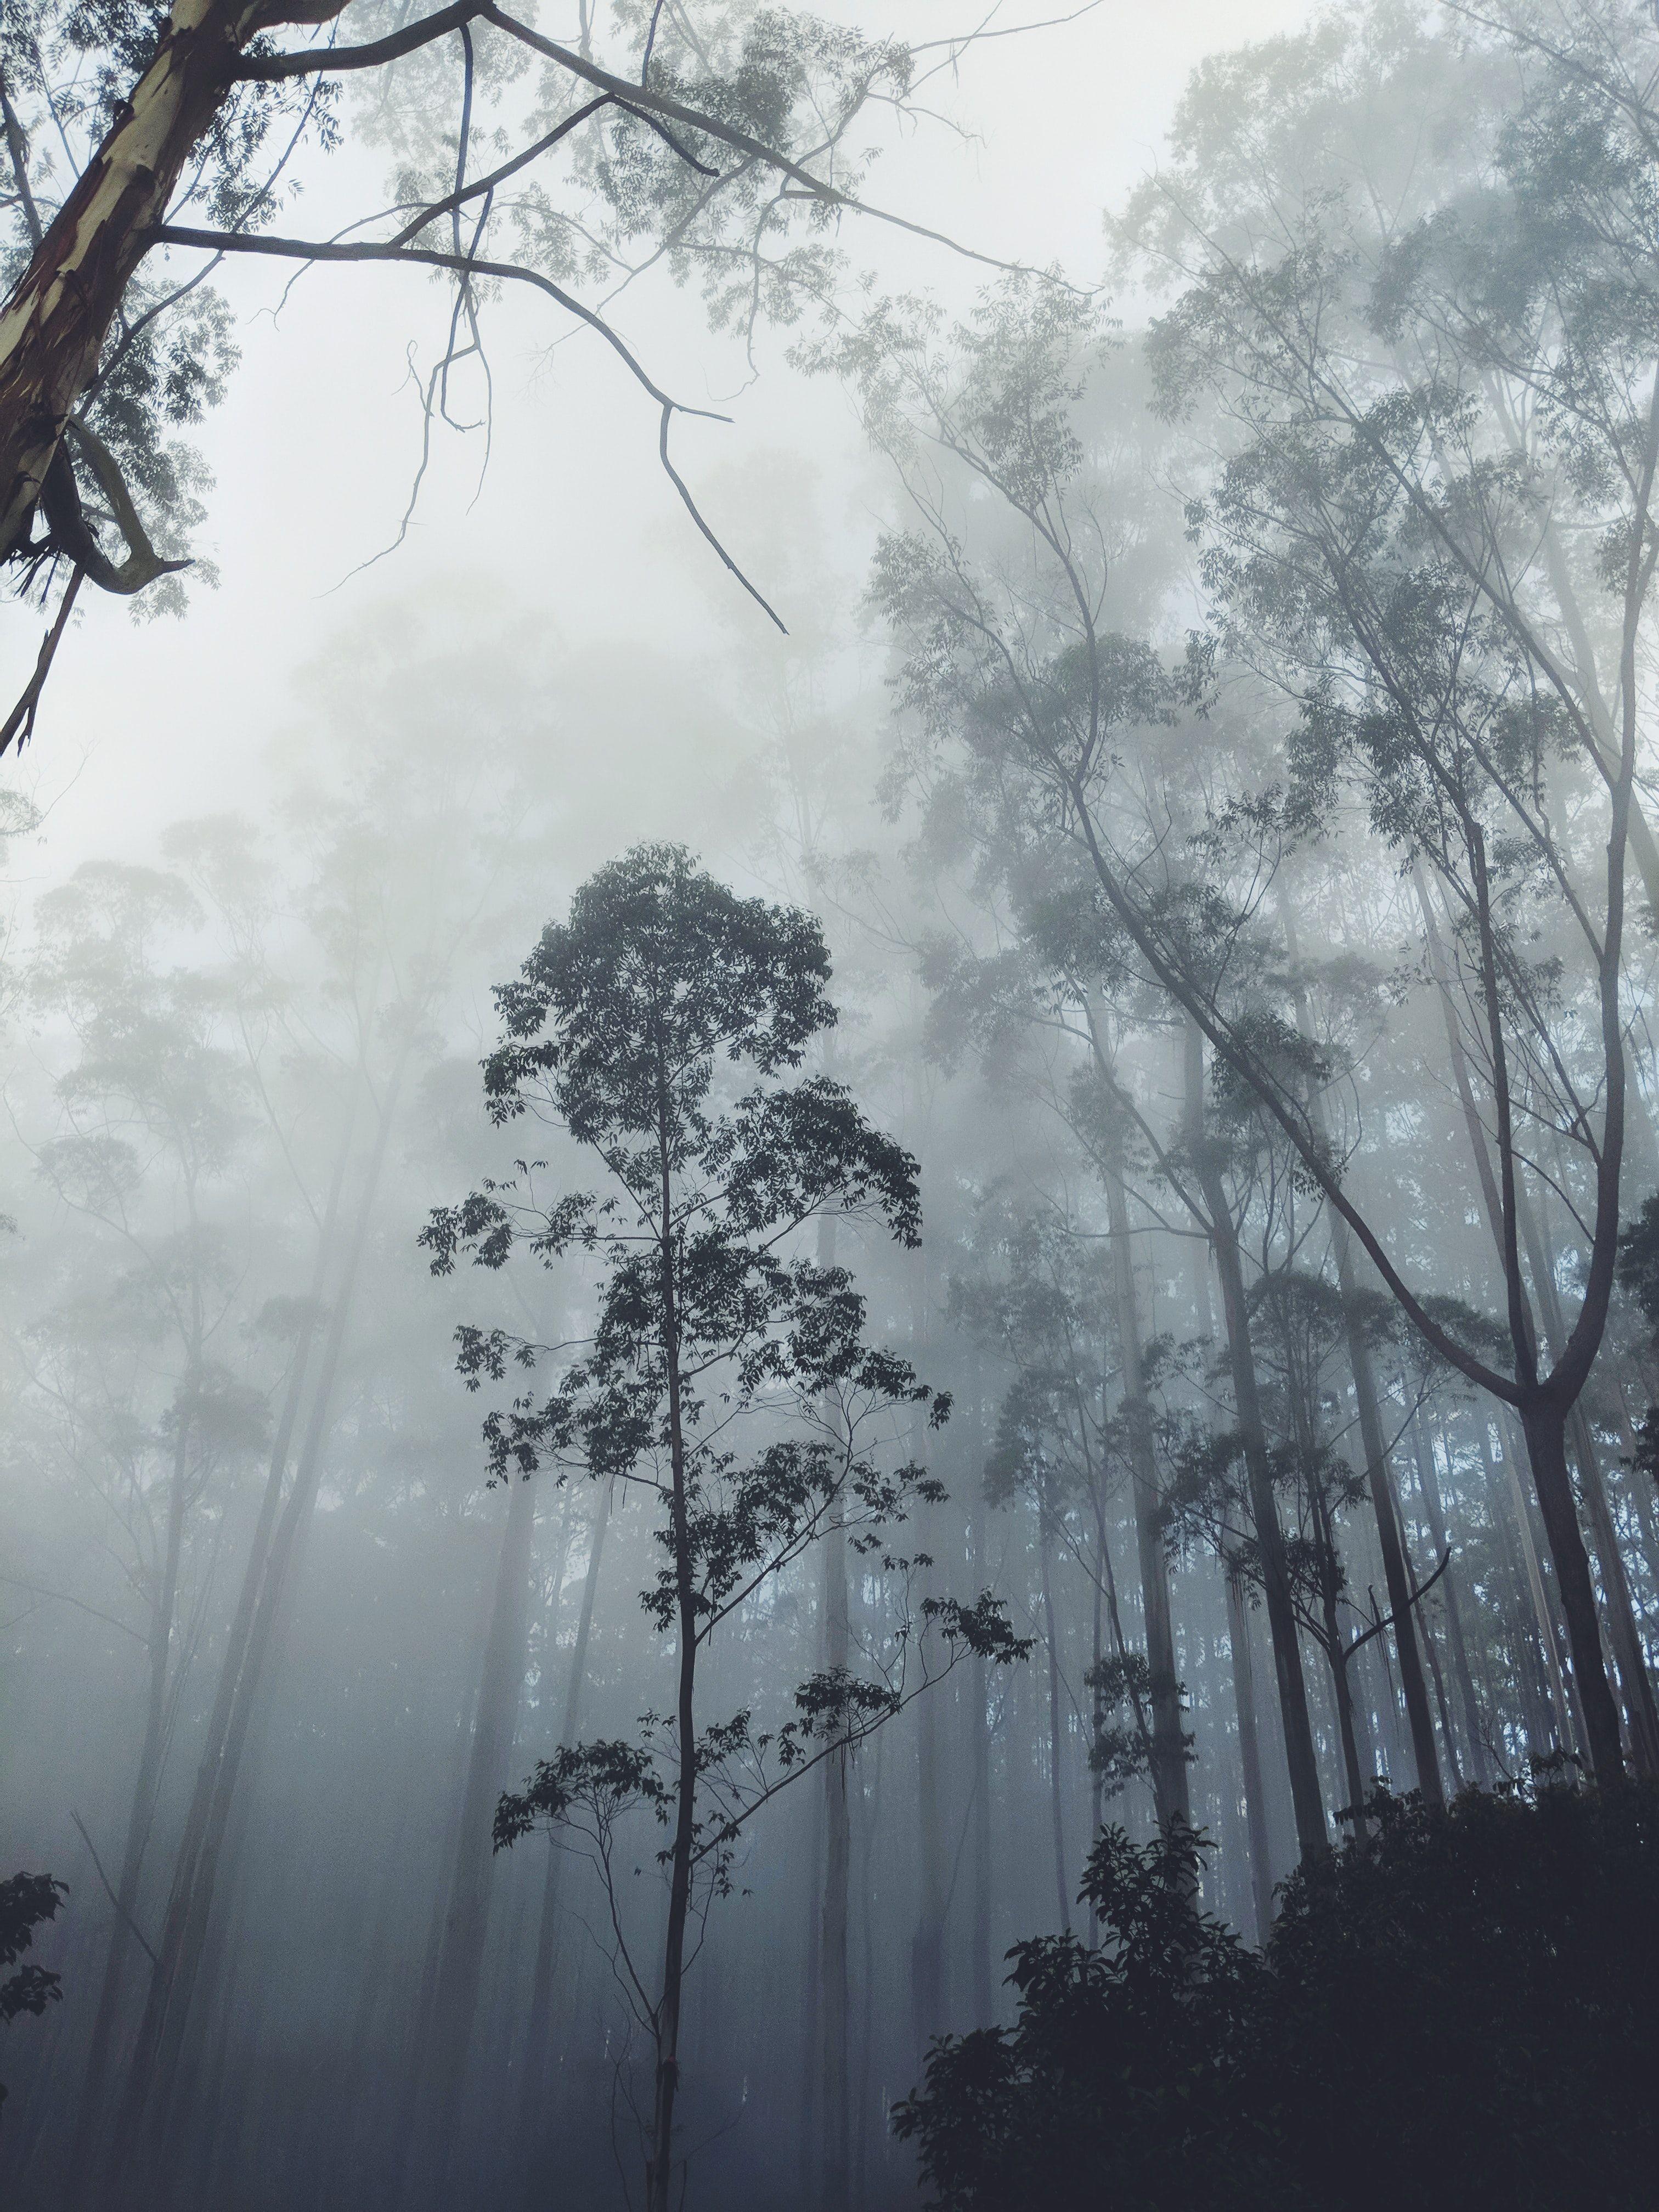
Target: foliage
(26, 1899)
(727, 1377)
(1433, 2000)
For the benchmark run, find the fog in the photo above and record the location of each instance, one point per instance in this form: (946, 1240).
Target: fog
(1190, 791)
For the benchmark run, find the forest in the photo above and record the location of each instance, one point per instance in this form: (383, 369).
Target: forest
(828, 1106)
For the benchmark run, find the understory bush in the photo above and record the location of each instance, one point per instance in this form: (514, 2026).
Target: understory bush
(1463, 2009)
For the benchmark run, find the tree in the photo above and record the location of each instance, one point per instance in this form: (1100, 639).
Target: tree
(1426, 427)
(711, 1324)
(1434, 2001)
(151, 1120)
(1038, 1297)
(1374, 558)
(26, 1899)
(725, 143)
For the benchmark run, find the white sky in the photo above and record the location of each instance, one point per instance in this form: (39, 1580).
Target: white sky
(575, 553)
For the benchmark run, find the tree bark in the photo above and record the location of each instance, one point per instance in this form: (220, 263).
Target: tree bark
(59, 312)
(1249, 1752)
(1545, 1426)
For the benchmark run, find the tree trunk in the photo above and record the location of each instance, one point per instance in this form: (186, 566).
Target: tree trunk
(659, 2165)
(979, 1963)
(1249, 1752)
(1379, 1478)
(88, 2129)
(539, 2037)
(1330, 1582)
(928, 1945)
(1544, 1422)
(1171, 1793)
(1568, 1730)
(54, 324)
(1624, 1635)
(172, 1979)
(1545, 1418)
(1056, 1791)
(1299, 1756)
(834, 1979)
(1390, 1536)
(1428, 1482)
(445, 2034)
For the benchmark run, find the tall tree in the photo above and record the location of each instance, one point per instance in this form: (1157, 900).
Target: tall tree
(708, 1314)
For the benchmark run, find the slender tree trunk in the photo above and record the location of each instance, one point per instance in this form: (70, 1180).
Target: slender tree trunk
(1624, 1634)
(1330, 1572)
(1544, 1426)
(1097, 1722)
(868, 1821)
(1249, 1752)
(1442, 1707)
(1629, 1659)
(979, 1964)
(659, 2166)
(1568, 1729)
(176, 1926)
(173, 1981)
(928, 1945)
(141, 1813)
(1378, 1475)
(834, 1980)
(1299, 1755)
(538, 2039)
(1056, 1789)
(833, 1976)
(811, 2012)
(1390, 1536)
(1171, 1789)
(1428, 1480)
(1545, 1416)
(445, 2034)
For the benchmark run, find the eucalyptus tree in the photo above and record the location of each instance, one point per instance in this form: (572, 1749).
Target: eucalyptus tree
(339, 946)
(152, 1115)
(1036, 1293)
(1425, 430)
(1373, 554)
(148, 141)
(727, 1375)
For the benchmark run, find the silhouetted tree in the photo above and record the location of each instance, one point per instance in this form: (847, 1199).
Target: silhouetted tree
(713, 1323)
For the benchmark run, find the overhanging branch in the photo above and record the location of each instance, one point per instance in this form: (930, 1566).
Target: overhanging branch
(425, 256)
